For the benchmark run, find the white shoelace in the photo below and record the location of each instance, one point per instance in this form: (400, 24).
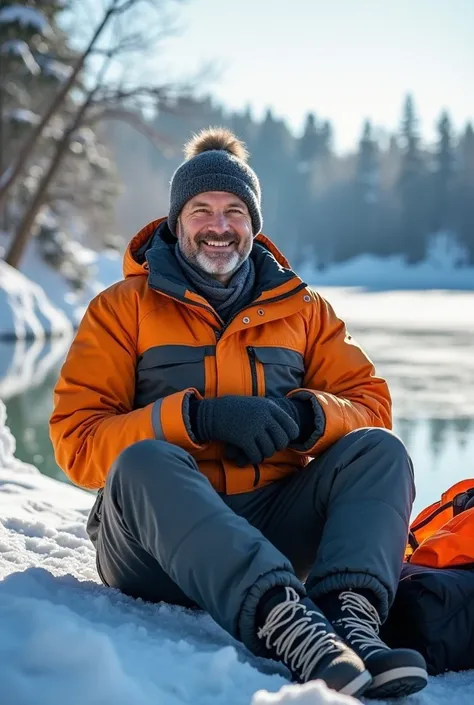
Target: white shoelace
(363, 622)
(317, 641)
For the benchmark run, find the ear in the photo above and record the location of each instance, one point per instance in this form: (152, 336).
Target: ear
(178, 228)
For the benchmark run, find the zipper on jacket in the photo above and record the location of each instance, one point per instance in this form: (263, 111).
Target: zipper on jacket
(253, 370)
(256, 469)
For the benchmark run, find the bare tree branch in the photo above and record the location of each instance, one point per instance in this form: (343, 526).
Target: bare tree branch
(9, 176)
(159, 140)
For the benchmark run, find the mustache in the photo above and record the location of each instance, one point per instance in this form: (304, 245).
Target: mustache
(221, 237)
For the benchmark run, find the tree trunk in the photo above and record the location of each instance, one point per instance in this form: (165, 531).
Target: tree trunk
(24, 229)
(10, 175)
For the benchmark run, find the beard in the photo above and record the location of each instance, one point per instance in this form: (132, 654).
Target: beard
(215, 260)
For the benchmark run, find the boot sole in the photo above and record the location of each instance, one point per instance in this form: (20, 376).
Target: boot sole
(358, 685)
(398, 683)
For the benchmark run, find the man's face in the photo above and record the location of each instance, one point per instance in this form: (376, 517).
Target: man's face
(215, 233)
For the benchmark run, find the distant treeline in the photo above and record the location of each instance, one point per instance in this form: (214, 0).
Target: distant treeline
(390, 196)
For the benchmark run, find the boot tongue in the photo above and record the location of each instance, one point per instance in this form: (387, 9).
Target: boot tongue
(270, 599)
(330, 604)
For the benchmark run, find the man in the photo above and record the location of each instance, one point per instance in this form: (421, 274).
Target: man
(193, 397)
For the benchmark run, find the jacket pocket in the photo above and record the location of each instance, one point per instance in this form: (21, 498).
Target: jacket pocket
(166, 369)
(283, 369)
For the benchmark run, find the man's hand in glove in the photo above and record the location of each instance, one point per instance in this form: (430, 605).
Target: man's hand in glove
(303, 414)
(257, 426)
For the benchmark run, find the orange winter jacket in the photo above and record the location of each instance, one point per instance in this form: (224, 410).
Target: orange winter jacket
(442, 535)
(149, 342)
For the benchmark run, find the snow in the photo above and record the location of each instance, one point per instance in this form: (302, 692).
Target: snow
(105, 269)
(25, 309)
(21, 49)
(23, 115)
(391, 273)
(25, 16)
(67, 638)
(55, 69)
(445, 267)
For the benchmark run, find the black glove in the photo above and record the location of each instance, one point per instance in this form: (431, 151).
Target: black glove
(300, 410)
(255, 425)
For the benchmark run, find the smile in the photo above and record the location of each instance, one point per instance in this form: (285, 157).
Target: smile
(214, 243)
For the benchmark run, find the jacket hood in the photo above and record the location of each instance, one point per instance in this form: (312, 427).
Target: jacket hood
(134, 261)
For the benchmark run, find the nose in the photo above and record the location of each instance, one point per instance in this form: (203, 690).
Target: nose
(220, 222)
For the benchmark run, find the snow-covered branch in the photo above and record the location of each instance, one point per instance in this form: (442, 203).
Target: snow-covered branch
(25, 17)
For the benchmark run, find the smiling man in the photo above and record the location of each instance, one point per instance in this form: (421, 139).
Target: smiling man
(239, 439)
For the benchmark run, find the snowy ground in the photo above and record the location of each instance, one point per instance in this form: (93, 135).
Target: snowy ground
(66, 638)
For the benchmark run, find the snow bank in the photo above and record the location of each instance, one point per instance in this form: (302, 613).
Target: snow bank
(25, 16)
(382, 273)
(25, 309)
(66, 638)
(445, 267)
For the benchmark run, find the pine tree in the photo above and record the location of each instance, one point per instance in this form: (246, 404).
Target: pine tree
(367, 193)
(367, 175)
(244, 126)
(309, 144)
(414, 227)
(272, 159)
(443, 176)
(464, 190)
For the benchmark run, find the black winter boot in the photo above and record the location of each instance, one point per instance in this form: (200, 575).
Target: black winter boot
(395, 672)
(298, 634)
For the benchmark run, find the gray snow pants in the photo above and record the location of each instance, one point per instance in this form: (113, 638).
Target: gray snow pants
(163, 533)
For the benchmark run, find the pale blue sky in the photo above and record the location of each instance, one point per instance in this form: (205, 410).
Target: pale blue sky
(344, 59)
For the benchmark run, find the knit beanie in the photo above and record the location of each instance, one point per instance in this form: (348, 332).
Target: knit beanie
(215, 160)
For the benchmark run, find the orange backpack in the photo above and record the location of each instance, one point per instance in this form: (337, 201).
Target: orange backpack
(442, 535)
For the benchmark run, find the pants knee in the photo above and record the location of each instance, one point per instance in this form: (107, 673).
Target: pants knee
(393, 450)
(149, 459)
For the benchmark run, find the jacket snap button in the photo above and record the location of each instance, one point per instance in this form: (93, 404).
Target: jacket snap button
(306, 298)
(260, 311)
(246, 319)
